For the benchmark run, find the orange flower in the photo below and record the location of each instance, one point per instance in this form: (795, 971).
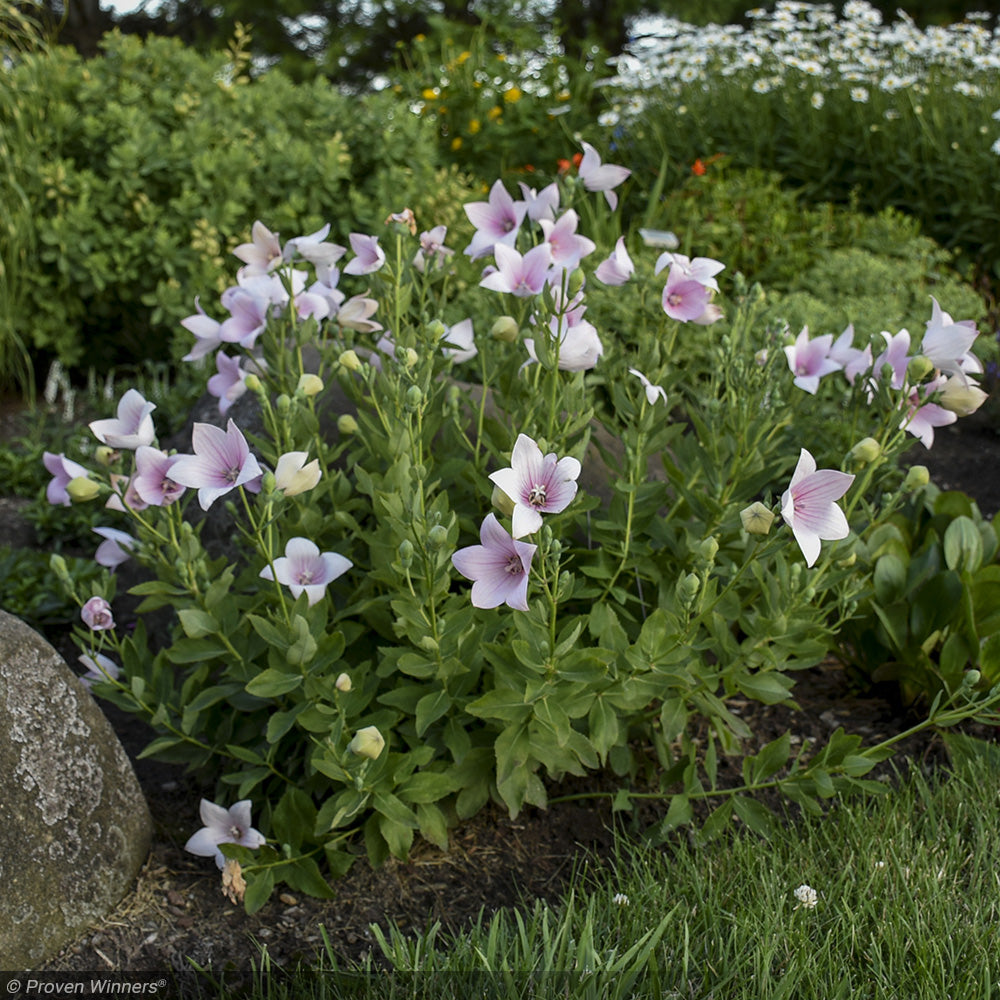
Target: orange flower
(698, 168)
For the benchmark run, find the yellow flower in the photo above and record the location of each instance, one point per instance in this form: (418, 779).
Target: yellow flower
(563, 95)
(512, 95)
(494, 113)
(474, 126)
(456, 143)
(420, 38)
(429, 93)
(463, 56)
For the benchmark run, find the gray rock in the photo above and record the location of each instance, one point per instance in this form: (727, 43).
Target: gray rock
(74, 826)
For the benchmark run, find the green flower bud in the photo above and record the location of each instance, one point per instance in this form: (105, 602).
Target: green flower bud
(688, 587)
(865, 451)
(343, 684)
(309, 385)
(347, 425)
(253, 382)
(283, 403)
(707, 549)
(916, 477)
(757, 519)
(437, 536)
(408, 356)
(849, 561)
(367, 742)
(575, 282)
(58, 566)
(350, 361)
(918, 369)
(268, 482)
(502, 502)
(106, 456)
(761, 357)
(405, 553)
(81, 489)
(436, 329)
(971, 678)
(414, 397)
(505, 328)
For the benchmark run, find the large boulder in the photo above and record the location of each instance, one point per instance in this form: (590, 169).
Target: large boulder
(74, 826)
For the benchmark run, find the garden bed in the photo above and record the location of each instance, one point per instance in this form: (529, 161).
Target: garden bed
(177, 912)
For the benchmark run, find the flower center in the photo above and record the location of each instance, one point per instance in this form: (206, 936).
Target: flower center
(536, 495)
(232, 474)
(235, 833)
(305, 577)
(514, 566)
(675, 298)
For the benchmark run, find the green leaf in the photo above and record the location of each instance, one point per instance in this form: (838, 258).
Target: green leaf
(889, 579)
(195, 651)
(433, 825)
(271, 683)
(304, 876)
(756, 815)
(501, 703)
(272, 635)
(673, 718)
(770, 759)
(550, 715)
(963, 545)
(427, 786)
(430, 708)
(293, 817)
(769, 687)
(260, 885)
(197, 623)
(602, 725)
(679, 813)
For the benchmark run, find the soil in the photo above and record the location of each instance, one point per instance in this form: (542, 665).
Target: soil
(176, 912)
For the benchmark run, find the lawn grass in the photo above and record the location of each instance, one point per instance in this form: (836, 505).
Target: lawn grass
(907, 906)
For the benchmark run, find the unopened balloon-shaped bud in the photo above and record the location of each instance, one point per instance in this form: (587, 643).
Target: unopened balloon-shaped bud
(283, 403)
(757, 519)
(347, 425)
(688, 587)
(436, 330)
(367, 742)
(918, 369)
(405, 553)
(268, 482)
(961, 397)
(576, 280)
(971, 678)
(865, 451)
(343, 683)
(761, 357)
(350, 361)
(437, 536)
(81, 489)
(294, 475)
(106, 456)
(252, 382)
(707, 549)
(916, 477)
(414, 397)
(506, 329)
(309, 385)
(502, 502)
(58, 566)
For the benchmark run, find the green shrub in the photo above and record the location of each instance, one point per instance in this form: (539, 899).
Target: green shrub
(151, 153)
(823, 267)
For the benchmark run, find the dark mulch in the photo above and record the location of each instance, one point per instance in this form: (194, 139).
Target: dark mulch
(177, 912)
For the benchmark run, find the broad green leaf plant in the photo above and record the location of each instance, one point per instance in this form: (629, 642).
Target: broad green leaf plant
(456, 539)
